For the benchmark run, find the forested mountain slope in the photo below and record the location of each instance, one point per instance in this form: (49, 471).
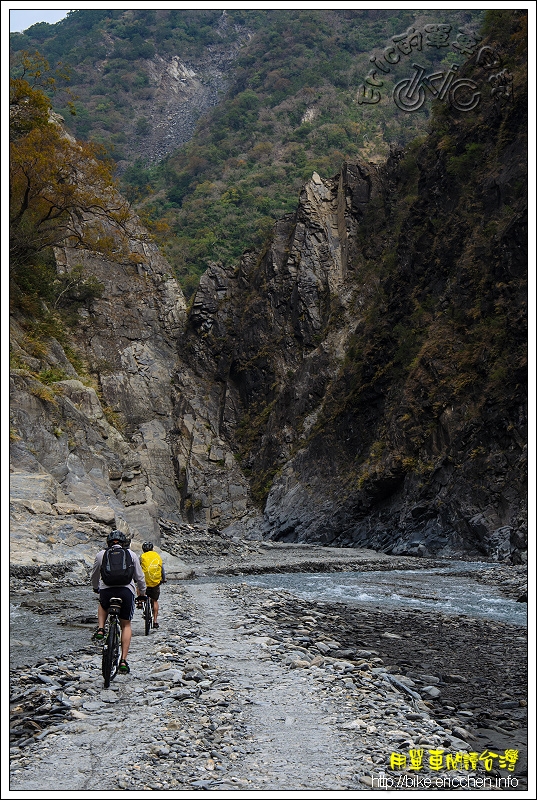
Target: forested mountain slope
(263, 99)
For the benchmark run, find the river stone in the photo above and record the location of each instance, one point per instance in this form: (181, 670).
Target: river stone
(162, 667)
(458, 744)
(109, 696)
(332, 644)
(462, 733)
(93, 705)
(429, 679)
(183, 694)
(404, 679)
(345, 666)
(353, 724)
(78, 714)
(432, 691)
(299, 663)
(174, 675)
(264, 640)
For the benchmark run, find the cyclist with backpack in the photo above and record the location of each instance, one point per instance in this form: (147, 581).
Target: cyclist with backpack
(154, 574)
(117, 573)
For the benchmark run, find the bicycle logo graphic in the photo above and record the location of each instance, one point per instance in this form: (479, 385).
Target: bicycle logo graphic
(409, 94)
(462, 94)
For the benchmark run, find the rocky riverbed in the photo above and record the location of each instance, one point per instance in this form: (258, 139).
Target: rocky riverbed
(249, 689)
(210, 551)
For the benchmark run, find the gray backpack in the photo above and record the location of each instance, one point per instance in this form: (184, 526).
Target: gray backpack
(117, 568)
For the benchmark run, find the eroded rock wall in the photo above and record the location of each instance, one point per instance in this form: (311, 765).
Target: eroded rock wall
(359, 382)
(133, 436)
(364, 399)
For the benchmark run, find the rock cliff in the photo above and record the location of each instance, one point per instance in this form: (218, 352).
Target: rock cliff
(377, 351)
(126, 440)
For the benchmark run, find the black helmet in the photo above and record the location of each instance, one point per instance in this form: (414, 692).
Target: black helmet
(116, 537)
(147, 546)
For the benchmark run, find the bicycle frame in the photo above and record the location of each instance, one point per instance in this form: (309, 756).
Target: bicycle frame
(409, 94)
(112, 643)
(148, 614)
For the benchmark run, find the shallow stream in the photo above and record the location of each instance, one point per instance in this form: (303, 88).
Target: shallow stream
(448, 590)
(436, 590)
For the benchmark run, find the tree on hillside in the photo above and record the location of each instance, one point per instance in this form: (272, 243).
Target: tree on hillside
(62, 191)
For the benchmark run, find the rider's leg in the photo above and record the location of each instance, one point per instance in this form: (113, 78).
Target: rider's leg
(155, 610)
(101, 616)
(126, 636)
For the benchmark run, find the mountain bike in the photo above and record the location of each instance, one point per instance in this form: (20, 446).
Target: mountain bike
(462, 94)
(147, 611)
(112, 642)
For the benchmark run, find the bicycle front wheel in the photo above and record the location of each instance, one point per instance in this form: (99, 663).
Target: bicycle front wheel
(111, 654)
(148, 615)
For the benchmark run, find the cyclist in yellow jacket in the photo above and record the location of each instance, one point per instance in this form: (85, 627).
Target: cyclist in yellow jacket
(154, 574)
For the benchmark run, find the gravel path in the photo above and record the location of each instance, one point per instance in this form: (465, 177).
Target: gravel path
(292, 744)
(296, 747)
(240, 689)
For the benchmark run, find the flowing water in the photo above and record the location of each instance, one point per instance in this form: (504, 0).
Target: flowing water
(35, 636)
(440, 590)
(401, 590)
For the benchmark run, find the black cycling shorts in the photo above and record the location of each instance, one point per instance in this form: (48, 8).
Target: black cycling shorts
(153, 592)
(127, 606)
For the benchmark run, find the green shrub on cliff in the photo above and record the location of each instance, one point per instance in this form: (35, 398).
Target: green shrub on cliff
(55, 182)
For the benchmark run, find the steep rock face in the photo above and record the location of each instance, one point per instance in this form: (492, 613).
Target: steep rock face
(117, 444)
(274, 334)
(363, 379)
(284, 382)
(271, 332)
(377, 351)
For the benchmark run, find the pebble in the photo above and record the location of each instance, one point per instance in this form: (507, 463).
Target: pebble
(432, 691)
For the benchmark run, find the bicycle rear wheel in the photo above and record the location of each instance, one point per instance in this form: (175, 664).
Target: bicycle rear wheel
(148, 615)
(111, 654)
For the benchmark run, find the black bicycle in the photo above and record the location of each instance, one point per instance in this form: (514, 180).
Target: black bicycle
(147, 611)
(112, 642)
